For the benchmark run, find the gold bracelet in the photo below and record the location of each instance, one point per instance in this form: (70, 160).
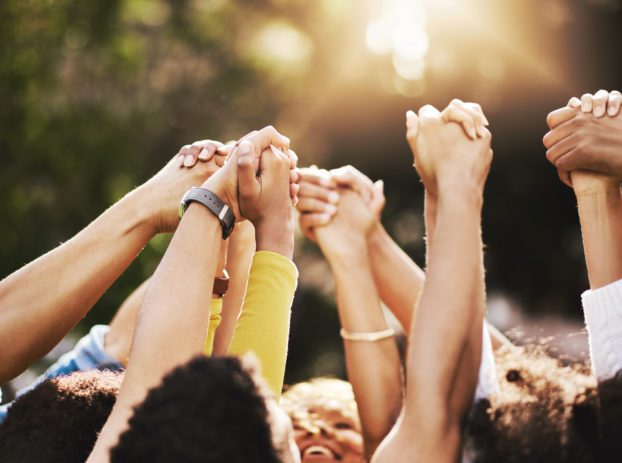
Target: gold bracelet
(371, 336)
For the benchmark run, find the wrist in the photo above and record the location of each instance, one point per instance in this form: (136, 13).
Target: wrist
(588, 184)
(376, 235)
(145, 214)
(276, 236)
(458, 182)
(218, 188)
(345, 253)
(463, 194)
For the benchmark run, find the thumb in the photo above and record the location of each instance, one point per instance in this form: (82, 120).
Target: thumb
(412, 128)
(377, 200)
(247, 182)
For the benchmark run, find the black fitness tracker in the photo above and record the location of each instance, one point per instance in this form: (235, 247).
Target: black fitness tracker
(214, 204)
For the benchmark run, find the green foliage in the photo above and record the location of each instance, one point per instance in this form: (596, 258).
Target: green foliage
(96, 96)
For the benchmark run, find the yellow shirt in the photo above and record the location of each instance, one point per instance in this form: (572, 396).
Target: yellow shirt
(263, 325)
(215, 317)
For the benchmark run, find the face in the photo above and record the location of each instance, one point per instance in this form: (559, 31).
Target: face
(329, 436)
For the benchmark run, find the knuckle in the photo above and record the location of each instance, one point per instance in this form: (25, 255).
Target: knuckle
(550, 118)
(550, 155)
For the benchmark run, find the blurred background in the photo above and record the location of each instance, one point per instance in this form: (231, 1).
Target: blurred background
(96, 96)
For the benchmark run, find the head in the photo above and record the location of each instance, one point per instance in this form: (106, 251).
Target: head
(212, 409)
(60, 418)
(326, 423)
(546, 411)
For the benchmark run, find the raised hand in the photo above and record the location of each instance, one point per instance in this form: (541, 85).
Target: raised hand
(585, 140)
(444, 156)
(163, 191)
(598, 104)
(319, 198)
(264, 198)
(202, 150)
(225, 182)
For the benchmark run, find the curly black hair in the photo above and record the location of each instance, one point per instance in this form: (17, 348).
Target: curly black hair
(59, 420)
(546, 412)
(208, 410)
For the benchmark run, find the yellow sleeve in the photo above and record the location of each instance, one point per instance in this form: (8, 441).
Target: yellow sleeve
(215, 317)
(263, 326)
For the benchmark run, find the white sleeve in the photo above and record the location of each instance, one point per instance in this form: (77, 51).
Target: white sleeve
(487, 382)
(602, 309)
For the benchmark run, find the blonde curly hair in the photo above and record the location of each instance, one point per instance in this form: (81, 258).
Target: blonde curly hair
(302, 402)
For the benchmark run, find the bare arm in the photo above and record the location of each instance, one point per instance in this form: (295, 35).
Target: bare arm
(239, 258)
(443, 357)
(373, 367)
(118, 340)
(393, 270)
(161, 339)
(600, 213)
(42, 302)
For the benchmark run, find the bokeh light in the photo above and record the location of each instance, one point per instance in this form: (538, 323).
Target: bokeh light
(398, 29)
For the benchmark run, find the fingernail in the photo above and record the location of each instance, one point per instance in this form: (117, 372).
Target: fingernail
(585, 107)
(245, 147)
(325, 181)
(481, 131)
(330, 209)
(612, 111)
(324, 218)
(599, 111)
(471, 131)
(204, 154)
(188, 161)
(333, 197)
(180, 161)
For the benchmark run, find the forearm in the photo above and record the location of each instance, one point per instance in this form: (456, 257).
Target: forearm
(42, 302)
(429, 216)
(439, 348)
(239, 258)
(393, 271)
(173, 319)
(119, 338)
(600, 213)
(373, 367)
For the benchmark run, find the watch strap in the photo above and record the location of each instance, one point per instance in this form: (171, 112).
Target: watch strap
(213, 203)
(221, 284)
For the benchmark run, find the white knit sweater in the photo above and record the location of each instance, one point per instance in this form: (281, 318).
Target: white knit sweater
(603, 317)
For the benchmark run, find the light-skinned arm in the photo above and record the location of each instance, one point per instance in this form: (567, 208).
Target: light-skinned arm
(443, 358)
(43, 301)
(373, 367)
(392, 268)
(163, 338)
(239, 258)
